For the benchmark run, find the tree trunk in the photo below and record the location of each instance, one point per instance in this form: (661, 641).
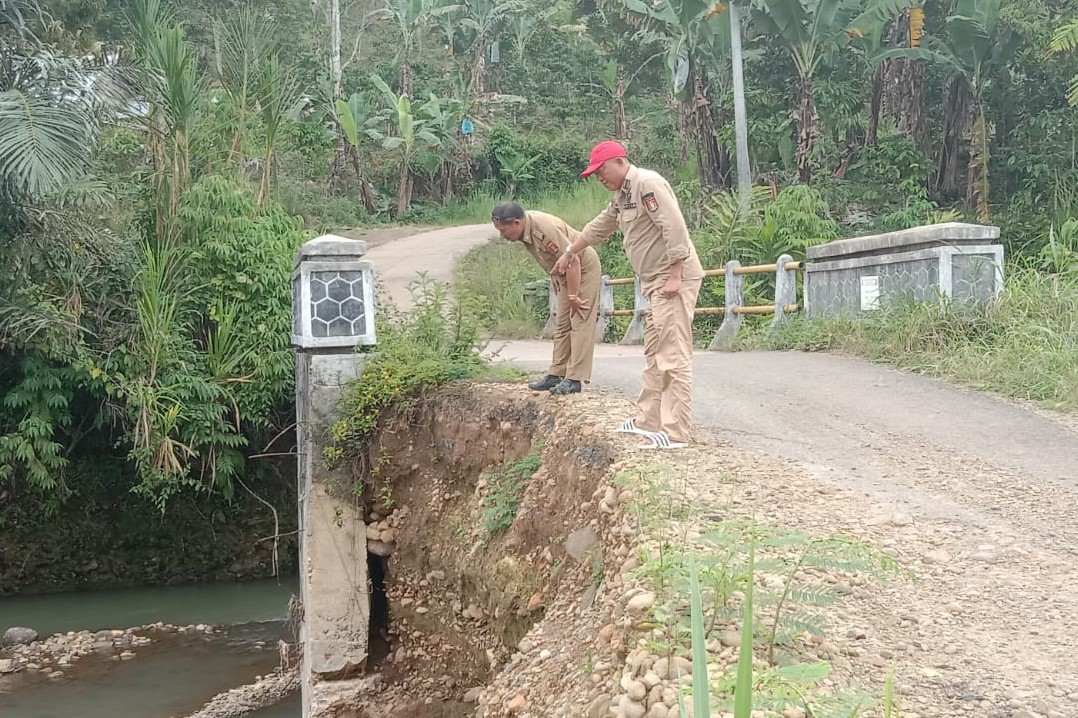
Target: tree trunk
(621, 126)
(181, 162)
(155, 142)
(808, 121)
(447, 182)
(479, 70)
(977, 187)
(703, 125)
(460, 168)
(340, 158)
(849, 150)
(406, 78)
(902, 85)
(263, 189)
(335, 39)
(956, 122)
(263, 183)
(366, 193)
(872, 132)
(726, 163)
(684, 128)
(404, 188)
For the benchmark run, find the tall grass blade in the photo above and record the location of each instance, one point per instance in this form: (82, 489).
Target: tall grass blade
(743, 686)
(889, 710)
(701, 698)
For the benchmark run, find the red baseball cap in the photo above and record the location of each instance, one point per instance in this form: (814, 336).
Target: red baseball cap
(602, 152)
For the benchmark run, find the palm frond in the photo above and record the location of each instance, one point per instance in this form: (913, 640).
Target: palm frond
(43, 144)
(1065, 38)
(1072, 92)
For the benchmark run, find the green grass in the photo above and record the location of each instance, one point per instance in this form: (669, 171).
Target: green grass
(576, 205)
(495, 274)
(1025, 345)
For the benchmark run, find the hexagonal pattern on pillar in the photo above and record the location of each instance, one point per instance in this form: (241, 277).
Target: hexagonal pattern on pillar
(337, 307)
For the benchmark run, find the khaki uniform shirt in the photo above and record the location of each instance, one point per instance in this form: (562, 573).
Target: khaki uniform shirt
(648, 215)
(546, 237)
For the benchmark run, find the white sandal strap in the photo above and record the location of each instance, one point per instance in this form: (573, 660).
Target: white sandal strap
(660, 440)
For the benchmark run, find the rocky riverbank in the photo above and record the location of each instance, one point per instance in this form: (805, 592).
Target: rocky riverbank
(266, 691)
(56, 653)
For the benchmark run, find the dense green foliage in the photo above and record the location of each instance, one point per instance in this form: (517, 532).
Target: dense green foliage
(160, 162)
(437, 341)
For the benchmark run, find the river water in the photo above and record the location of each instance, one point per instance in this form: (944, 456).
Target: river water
(173, 676)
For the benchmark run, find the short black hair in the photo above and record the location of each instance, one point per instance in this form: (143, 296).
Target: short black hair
(507, 212)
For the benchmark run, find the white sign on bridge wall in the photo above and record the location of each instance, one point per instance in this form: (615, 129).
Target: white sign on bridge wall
(870, 293)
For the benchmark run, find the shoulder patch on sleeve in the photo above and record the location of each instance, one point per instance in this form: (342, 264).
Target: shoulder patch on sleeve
(650, 202)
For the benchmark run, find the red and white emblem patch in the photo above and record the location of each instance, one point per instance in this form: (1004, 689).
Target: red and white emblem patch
(650, 202)
(552, 248)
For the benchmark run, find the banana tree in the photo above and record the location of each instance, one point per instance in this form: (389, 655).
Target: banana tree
(522, 29)
(515, 168)
(484, 18)
(810, 31)
(695, 35)
(352, 116)
(620, 48)
(974, 49)
(902, 80)
(446, 17)
(408, 134)
(446, 159)
(411, 18)
(897, 83)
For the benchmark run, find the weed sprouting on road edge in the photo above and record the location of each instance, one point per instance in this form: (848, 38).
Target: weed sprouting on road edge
(743, 583)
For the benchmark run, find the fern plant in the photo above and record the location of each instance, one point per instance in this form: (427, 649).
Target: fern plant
(33, 412)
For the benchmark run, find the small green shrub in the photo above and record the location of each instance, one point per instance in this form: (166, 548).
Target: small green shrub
(437, 341)
(505, 486)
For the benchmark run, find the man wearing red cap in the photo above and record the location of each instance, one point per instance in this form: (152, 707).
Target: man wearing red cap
(662, 254)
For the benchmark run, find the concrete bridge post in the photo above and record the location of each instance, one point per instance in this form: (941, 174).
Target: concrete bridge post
(332, 314)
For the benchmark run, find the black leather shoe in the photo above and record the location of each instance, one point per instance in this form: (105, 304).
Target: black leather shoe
(547, 382)
(566, 386)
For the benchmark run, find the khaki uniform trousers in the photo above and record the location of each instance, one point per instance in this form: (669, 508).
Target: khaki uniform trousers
(574, 336)
(665, 400)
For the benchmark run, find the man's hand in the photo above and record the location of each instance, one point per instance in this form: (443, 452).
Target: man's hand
(578, 307)
(672, 287)
(561, 265)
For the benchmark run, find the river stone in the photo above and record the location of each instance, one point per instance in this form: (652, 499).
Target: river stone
(640, 603)
(598, 708)
(628, 708)
(380, 548)
(581, 542)
(7, 665)
(17, 636)
(658, 710)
